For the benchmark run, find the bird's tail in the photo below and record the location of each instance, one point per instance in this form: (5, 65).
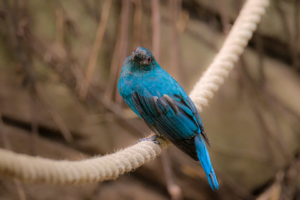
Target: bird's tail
(205, 162)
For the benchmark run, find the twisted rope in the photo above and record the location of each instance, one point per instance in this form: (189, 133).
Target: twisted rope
(35, 169)
(232, 48)
(42, 170)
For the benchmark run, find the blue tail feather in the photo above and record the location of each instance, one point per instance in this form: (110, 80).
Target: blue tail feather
(205, 162)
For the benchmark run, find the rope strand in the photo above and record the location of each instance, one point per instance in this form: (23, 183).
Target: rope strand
(42, 170)
(232, 48)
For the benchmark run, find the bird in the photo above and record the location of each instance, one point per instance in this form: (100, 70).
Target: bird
(156, 97)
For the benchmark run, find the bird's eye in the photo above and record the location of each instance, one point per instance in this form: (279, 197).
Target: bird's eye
(149, 60)
(134, 50)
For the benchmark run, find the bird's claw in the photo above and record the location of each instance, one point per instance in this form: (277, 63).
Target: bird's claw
(152, 139)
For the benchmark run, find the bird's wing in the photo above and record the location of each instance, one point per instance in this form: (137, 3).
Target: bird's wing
(173, 116)
(185, 103)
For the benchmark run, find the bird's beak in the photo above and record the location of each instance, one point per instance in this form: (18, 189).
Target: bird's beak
(139, 56)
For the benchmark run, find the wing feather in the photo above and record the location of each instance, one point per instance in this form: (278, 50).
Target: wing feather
(172, 116)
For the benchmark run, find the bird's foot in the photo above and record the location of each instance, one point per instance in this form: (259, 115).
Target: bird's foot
(151, 138)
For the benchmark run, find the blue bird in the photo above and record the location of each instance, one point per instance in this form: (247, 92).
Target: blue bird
(165, 107)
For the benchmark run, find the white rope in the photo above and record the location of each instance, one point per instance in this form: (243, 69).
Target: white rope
(41, 170)
(232, 48)
(35, 169)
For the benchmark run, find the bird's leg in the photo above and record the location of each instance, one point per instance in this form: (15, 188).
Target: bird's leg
(152, 138)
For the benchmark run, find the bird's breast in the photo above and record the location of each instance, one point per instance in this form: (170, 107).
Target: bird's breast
(154, 82)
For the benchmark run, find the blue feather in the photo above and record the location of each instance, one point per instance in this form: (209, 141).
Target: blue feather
(205, 162)
(158, 99)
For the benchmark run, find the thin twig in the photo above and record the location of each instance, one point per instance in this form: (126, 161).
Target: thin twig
(119, 52)
(34, 120)
(273, 193)
(290, 39)
(137, 21)
(194, 34)
(59, 23)
(173, 189)
(5, 139)
(225, 180)
(123, 44)
(260, 54)
(224, 16)
(53, 113)
(112, 73)
(296, 33)
(245, 84)
(155, 29)
(182, 23)
(174, 47)
(97, 44)
(20, 189)
(261, 120)
(93, 96)
(88, 8)
(275, 100)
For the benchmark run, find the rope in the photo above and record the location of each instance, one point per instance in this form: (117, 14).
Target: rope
(232, 48)
(35, 169)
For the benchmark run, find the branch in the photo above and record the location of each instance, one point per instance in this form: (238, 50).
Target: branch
(98, 41)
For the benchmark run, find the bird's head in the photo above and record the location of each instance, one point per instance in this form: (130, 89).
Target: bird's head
(142, 57)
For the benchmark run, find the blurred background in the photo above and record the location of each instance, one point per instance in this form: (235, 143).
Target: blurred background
(59, 65)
